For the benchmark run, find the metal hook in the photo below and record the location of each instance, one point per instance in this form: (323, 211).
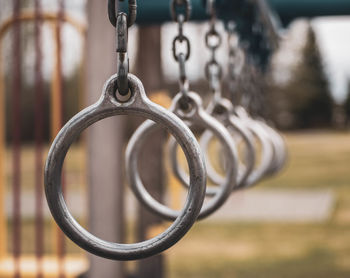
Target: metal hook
(113, 13)
(122, 52)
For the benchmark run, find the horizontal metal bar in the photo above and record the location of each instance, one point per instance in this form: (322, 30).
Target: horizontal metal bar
(158, 11)
(291, 9)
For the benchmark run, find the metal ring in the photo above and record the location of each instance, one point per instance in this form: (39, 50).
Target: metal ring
(236, 125)
(195, 115)
(213, 34)
(279, 149)
(108, 106)
(266, 155)
(181, 39)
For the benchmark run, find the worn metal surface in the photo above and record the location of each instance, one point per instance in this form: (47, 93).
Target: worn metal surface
(279, 148)
(108, 106)
(223, 110)
(122, 54)
(266, 151)
(196, 116)
(112, 12)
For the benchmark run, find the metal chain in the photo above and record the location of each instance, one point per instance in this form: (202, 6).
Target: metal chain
(236, 61)
(181, 43)
(122, 52)
(113, 12)
(179, 7)
(121, 21)
(236, 54)
(213, 40)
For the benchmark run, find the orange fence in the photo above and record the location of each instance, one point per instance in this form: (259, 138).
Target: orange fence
(38, 264)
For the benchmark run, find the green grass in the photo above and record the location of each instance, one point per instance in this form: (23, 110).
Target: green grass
(263, 250)
(275, 250)
(315, 160)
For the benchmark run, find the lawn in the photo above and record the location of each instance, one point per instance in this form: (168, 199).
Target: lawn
(317, 160)
(277, 250)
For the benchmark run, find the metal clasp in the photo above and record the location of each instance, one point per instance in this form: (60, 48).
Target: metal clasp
(113, 13)
(122, 51)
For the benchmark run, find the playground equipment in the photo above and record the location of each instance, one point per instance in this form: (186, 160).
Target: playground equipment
(123, 94)
(39, 263)
(252, 28)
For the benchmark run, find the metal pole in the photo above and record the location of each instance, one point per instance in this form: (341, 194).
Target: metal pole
(3, 227)
(152, 170)
(157, 11)
(16, 140)
(39, 129)
(105, 143)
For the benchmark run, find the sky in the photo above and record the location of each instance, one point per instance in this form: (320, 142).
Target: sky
(333, 35)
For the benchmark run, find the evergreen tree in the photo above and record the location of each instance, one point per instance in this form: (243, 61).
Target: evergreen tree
(347, 105)
(308, 93)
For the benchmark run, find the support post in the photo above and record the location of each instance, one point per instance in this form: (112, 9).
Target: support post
(3, 229)
(152, 164)
(105, 140)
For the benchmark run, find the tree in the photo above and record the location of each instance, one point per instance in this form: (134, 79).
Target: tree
(308, 94)
(347, 105)
(305, 101)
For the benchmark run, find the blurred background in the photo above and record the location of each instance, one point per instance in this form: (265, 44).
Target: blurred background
(55, 56)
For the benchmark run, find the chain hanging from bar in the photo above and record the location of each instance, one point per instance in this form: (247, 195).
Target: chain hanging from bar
(181, 44)
(121, 21)
(236, 58)
(213, 40)
(113, 103)
(113, 12)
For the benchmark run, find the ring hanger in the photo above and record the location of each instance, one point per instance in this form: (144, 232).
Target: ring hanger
(133, 102)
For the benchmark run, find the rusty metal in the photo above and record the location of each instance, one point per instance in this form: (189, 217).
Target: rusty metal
(3, 229)
(16, 133)
(57, 100)
(39, 126)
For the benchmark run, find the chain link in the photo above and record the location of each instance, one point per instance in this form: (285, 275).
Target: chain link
(237, 68)
(213, 40)
(181, 7)
(181, 41)
(122, 22)
(236, 59)
(181, 44)
(113, 12)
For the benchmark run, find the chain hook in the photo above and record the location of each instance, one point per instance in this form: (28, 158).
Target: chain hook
(122, 52)
(113, 12)
(178, 5)
(213, 41)
(121, 21)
